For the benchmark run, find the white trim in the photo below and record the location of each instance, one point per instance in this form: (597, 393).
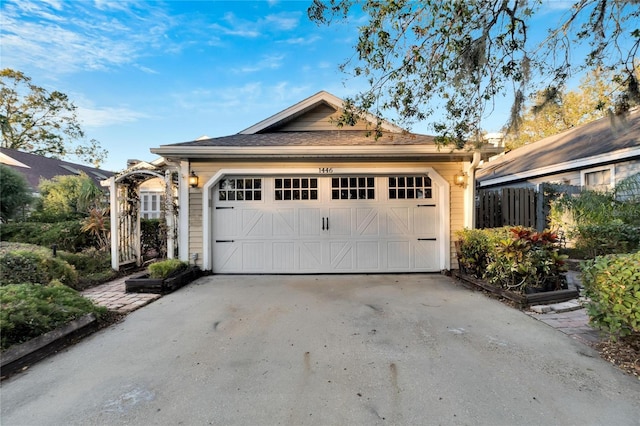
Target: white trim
(443, 202)
(619, 155)
(612, 176)
(341, 151)
(310, 102)
(183, 212)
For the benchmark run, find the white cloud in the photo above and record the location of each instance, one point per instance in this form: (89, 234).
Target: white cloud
(267, 62)
(64, 37)
(108, 116)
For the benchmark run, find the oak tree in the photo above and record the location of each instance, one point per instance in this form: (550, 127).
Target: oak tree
(37, 121)
(460, 58)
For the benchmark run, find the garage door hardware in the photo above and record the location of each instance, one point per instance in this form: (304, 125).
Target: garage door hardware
(426, 239)
(224, 241)
(426, 205)
(220, 208)
(323, 228)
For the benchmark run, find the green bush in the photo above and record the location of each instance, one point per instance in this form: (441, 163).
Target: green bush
(88, 261)
(21, 266)
(165, 268)
(517, 259)
(612, 284)
(153, 236)
(67, 236)
(609, 238)
(30, 310)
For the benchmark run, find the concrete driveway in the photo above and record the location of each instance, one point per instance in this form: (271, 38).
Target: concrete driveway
(324, 350)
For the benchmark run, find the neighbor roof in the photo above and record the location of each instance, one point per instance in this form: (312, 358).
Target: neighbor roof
(36, 167)
(569, 150)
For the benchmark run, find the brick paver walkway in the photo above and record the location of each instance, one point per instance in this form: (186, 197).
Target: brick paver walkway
(113, 296)
(573, 323)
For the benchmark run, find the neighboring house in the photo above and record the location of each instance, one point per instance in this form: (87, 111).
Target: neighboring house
(37, 167)
(596, 156)
(294, 193)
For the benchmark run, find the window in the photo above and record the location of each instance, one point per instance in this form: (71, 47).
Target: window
(287, 189)
(597, 180)
(240, 189)
(409, 187)
(151, 204)
(353, 188)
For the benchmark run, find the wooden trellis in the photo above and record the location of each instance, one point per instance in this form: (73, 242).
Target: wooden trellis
(126, 247)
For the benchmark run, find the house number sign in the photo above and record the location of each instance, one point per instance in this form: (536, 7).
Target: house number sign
(325, 170)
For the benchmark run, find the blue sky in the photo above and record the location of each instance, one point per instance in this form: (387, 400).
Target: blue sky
(148, 73)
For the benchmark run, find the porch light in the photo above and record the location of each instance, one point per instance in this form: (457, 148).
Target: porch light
(460, 179)
(193, 179)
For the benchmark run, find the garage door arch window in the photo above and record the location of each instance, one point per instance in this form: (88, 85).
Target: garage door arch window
(295, 189)
(409, 187)
(240, 189)
(353, 188)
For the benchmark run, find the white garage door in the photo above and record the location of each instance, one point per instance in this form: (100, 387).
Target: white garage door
(325, 224)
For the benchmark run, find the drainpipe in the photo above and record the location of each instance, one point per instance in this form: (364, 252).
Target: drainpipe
(470, 192)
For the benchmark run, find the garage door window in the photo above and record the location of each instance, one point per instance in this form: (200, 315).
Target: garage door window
(288, 189)
(240, 189)
(353, 188)
(409, 187)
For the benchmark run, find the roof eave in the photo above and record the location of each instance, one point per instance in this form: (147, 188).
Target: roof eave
(275, 152)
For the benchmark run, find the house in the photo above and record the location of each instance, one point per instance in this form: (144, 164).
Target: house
(595, 156)
(37, 167)
(294, 193)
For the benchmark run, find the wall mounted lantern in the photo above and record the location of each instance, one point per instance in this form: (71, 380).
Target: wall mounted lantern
(460, 179)
(193, 179)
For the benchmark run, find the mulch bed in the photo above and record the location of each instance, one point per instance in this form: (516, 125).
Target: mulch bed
(624, 353)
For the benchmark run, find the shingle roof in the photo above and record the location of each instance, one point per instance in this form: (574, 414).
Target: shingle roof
(319, 138)
(40, 167)
(599, 137)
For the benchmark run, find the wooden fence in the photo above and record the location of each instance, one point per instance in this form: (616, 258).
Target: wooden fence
(517, 206)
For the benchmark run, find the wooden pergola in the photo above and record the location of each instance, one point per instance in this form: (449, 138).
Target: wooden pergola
(126, 247)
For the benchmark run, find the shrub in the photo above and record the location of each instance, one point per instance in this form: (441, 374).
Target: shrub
(517, 259)
(152, 236)
(30, 310)
(610, 238)
(66, 235)
(473, 247)
(22, 266)
(612, 283)
(15, 194)
(165, 268)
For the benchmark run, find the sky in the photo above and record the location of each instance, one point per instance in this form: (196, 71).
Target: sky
(150, 73)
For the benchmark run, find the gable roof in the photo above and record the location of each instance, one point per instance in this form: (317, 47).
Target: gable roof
(606, 140)
(36, 167)
(308, 129)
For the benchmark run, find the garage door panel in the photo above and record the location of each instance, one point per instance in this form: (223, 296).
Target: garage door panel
(425, 221)
(367, 221)
(368, 255)
(310, 255)
(283, 256)
(341, 255)
(224, 224)
(227, 257)
(310, 222)
(398, 255)
(398, 221)
(284, 222)
(254, 223)
(339, 221)
(427, 255)
(253, 256)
